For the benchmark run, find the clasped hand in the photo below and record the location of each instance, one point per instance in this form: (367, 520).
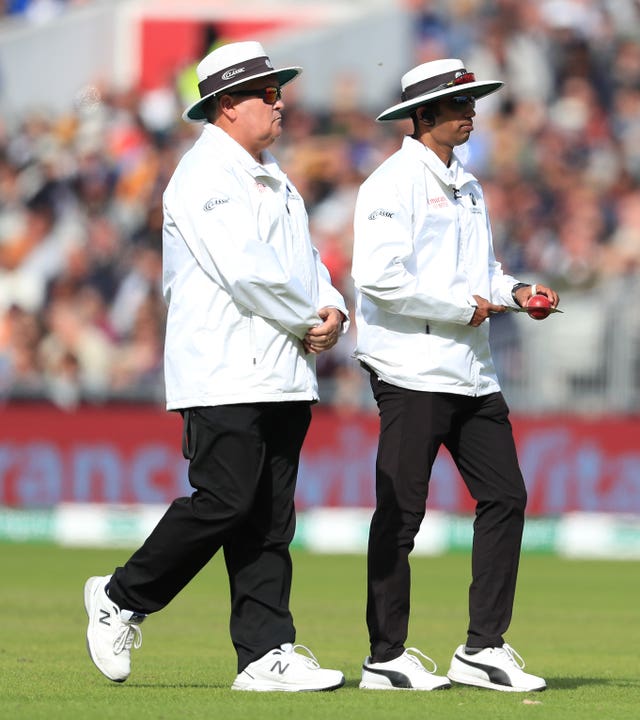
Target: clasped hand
(324, 336)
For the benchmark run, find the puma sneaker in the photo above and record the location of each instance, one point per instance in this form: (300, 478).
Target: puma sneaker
(402, 673)
(496, 668)
(284, 669)
(112, 632)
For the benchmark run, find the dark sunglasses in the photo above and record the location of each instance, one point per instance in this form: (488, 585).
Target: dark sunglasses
(459, 100)
(270, 95)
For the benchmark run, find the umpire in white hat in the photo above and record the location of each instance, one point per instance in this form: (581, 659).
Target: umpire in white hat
(427, 282)
(250, 306)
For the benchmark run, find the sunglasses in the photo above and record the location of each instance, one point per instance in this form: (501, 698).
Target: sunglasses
(459, 100)
(269, 95)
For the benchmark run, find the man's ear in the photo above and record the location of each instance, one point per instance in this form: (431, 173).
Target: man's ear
(427, 117)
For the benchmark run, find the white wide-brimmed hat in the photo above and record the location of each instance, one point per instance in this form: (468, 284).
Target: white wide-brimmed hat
(432, 80)
(232, 65)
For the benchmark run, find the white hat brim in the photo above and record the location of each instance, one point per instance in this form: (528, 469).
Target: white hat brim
(404, 109)
(195, 111)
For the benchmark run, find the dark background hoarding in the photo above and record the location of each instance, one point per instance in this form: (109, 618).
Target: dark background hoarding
(131, 454)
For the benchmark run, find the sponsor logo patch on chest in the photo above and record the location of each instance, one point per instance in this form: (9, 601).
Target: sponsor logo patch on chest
(214, 202)
(381, 212)
(438, 202)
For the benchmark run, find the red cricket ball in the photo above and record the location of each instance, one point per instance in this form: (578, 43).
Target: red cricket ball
(539, 307)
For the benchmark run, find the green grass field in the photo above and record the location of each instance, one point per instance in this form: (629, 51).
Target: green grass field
(576, 623)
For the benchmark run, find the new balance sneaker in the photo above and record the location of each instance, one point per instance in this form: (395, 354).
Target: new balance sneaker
(497, 668)
(402, 673)
(286, 670)
(111, 632)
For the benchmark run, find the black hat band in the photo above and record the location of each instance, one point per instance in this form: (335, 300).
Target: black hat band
(234, 73)
(438, 82)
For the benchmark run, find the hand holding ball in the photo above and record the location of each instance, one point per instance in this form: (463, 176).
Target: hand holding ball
(539, 307)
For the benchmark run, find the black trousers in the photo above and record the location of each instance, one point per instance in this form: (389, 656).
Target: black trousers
(478, 434)
(243, 464)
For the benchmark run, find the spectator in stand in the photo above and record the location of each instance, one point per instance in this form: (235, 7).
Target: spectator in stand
(574, 121)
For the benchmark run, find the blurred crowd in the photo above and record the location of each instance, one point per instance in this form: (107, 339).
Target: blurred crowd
(37, 11)
(557, 150)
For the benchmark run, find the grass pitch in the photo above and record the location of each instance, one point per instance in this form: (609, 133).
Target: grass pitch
(576, 623)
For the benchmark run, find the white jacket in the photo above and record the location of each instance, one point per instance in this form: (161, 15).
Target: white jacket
(242, 281)
(420, 255)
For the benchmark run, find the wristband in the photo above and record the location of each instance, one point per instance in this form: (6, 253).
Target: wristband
(515, 289)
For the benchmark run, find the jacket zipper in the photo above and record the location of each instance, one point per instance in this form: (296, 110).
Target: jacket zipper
(252, 340)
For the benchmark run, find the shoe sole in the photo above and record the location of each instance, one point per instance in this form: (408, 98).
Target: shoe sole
(280, 688)
(463, 679)
(370, 686)
(89, 591)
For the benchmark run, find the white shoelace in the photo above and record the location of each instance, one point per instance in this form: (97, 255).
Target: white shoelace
(309, 659)
(416, 661)
(128, 637)
(514, 657)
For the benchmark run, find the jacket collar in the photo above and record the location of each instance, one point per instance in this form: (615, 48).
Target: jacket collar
(454, 176)
(225, 143)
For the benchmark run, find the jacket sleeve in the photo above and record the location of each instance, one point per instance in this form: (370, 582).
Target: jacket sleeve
(384, 267)
(221, 229)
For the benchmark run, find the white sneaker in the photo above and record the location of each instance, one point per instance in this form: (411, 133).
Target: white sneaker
(402, 673)
(111, 632)
(286, 670)
(497, 668)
